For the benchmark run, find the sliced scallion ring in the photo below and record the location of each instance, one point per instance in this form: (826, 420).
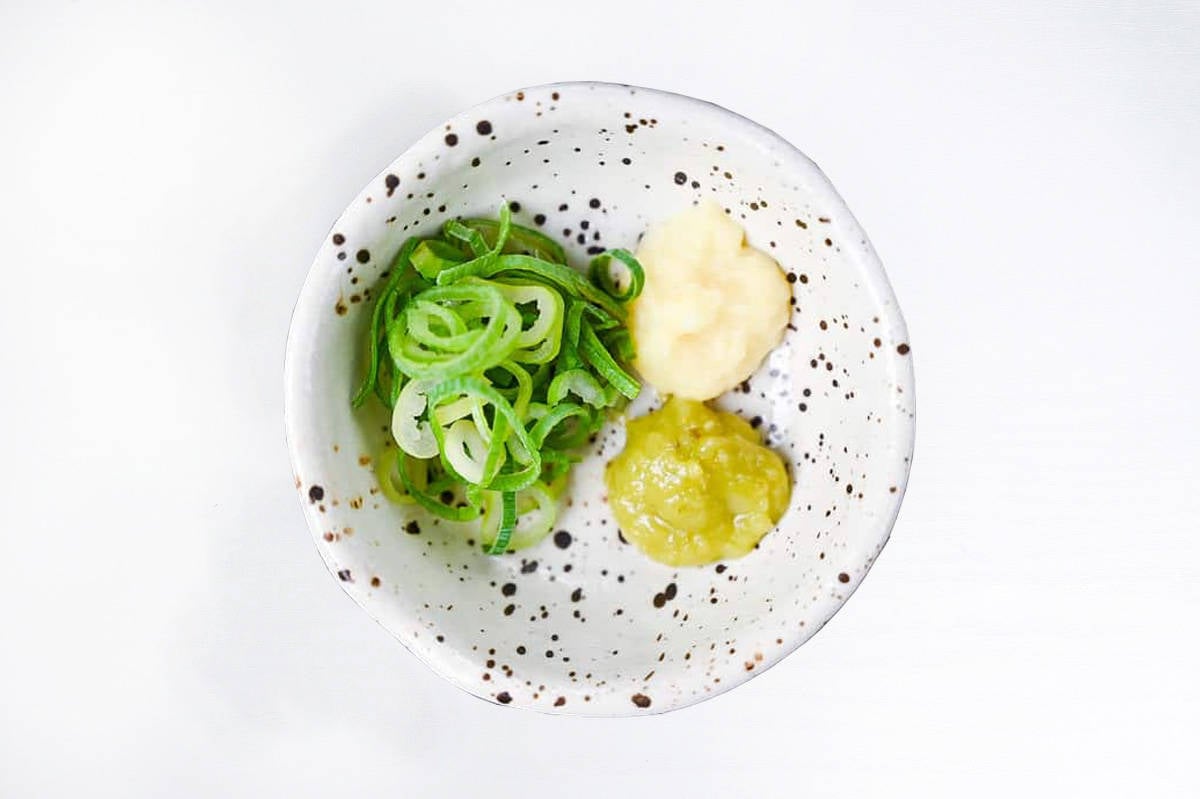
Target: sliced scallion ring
(601, 274)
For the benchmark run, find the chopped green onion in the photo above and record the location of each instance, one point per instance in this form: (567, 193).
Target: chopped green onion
(595, 354)
(569, 354)
(385, 466)
(465, 449)
(413, 436)
(539, 342)
(508, 521)
(432, 256)
(600, 273)
(434, 505)
(484, 394)
(468, 236)
(517, 479)
(578, 382)
(521, 240)
(564, 278)
(436, 327)
(494, 343)
(485, 255)
(399, 268)
(555, 465)
(498, 361)
(536, 508)
(546, 425)
(619, 343)
(524, 387)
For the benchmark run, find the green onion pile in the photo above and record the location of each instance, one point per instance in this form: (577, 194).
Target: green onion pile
(499, 361)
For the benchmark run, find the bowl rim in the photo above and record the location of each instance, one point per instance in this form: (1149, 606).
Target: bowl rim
(793, 159)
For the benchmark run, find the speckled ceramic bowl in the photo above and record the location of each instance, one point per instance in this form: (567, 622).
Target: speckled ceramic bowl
(584, 623)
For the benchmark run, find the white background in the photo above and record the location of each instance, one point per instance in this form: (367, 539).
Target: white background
(1030, 177)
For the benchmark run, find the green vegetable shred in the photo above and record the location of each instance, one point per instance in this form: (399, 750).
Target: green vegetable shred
(499, 362)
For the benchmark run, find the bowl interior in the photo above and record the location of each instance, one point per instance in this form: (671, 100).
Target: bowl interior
(584, 623)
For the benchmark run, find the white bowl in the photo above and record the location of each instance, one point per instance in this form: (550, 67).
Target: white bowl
(594, 627)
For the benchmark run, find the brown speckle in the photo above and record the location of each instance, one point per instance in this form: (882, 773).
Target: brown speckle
(562, 700)
(562, 539)
(902, 349)
(641, 700)
(843, 578)
(503, 697)
(483, 127)
(316, 494)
